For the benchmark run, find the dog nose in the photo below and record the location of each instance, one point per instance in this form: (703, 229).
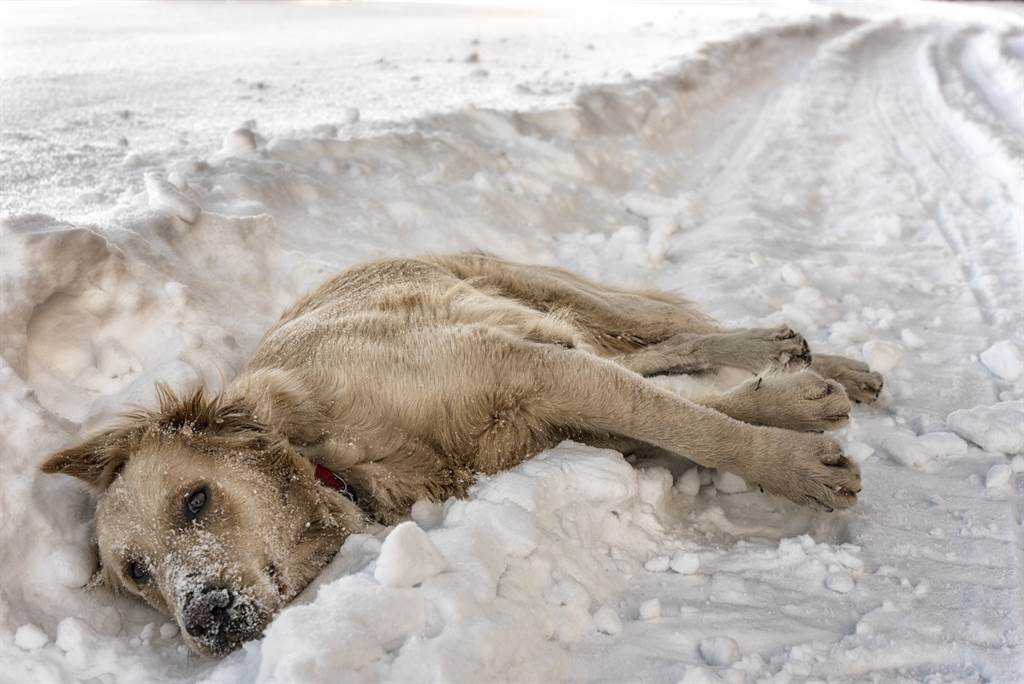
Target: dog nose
(219, 619)
(205, 613)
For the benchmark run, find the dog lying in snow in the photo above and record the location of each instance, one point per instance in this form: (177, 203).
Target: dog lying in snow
(404, 379)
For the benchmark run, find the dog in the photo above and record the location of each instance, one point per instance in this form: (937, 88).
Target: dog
(407, 378)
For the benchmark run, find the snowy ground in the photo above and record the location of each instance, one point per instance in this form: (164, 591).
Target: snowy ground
(172, 175)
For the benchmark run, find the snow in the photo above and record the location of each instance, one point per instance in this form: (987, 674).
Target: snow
(689, 482)
(728, 483)
(650, 609)
(685, 563)
(792, 275)
(164, 196)
(998, 476)
(657, 564)
(427, 514)
(29, 637)
(408, 557)
(882, 356)
(719, 651)
(607, 621)
(1004, 360)
(840, 582)
(855, 175)
(998, 428)
(921, 451)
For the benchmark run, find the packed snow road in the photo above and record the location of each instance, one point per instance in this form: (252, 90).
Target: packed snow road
(858, 177)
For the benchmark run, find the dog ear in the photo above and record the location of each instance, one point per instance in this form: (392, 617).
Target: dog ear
(97, 460)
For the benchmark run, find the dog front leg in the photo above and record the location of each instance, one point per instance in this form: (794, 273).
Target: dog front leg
(801, 401)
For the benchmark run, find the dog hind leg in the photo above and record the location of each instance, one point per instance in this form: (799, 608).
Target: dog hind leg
(860, 383)
(754, 350)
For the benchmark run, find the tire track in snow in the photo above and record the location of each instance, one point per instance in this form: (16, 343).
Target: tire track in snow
(842, 141)
(895, 112)
(918, 133)
(992, 153)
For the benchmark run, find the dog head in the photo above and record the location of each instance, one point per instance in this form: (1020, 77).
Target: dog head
(207, 515)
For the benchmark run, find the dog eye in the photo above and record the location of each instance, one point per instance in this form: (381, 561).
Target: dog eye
(196, 502)
(138, 572)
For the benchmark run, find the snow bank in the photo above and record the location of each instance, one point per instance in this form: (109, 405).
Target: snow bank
(998, 428)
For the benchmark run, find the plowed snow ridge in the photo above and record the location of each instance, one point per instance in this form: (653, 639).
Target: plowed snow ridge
(859, 179)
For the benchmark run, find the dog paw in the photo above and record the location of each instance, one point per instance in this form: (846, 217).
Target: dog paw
(802, 401)
(787, 349)
(809, 470)
(761, 349)
(862, 385)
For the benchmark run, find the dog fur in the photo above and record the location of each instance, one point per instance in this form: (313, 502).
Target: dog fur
(409, 377)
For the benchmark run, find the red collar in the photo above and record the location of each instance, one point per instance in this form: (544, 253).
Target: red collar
(327, 477)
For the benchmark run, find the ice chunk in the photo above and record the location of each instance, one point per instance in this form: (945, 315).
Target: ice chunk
(427, 514)
(30, 638)
(842, 333)
(408, 557)
(654, 485)
(657, 564)
(998, 428)
(905, 449)
(73, 633)
(685, 563)
(607, 621)
(882, 356)
(998, 476)
(240, 141)
(1004, 360)
(858, 451)
(792, 275)
(918, 452)
(840, 582)
(911, 339)
(650, 609)
(718, 651)
(729, 483)
(689, 482)
(163, 196)
(350, 115)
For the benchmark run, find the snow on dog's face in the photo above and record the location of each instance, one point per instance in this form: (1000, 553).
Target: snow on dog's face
(207, 516)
